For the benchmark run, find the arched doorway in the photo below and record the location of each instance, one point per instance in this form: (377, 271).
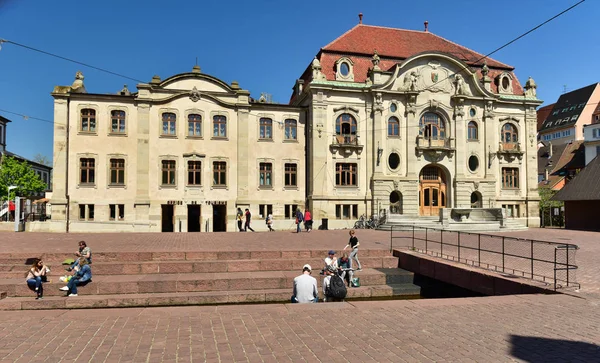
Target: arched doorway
(395, 202)
(476, 200)
(432, 191)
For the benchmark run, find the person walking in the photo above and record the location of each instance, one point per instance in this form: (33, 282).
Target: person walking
(240, 216)
(248, 220)
(305, 287)
(299, 218)
(307, 220)
(270, 222)
(353, 244)
(35, 276)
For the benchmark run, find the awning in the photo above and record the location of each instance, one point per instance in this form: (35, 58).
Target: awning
(40, 201)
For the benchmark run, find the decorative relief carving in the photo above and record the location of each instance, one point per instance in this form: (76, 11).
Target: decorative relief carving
(396, 184)
(461, 87)
(195, 94)
(410, 81)
(375, 60)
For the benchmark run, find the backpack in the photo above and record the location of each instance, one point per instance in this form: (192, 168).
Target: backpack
(300, 217)
(337, 288)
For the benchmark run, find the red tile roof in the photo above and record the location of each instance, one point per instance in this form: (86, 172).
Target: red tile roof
(542, 114)
(402, 43)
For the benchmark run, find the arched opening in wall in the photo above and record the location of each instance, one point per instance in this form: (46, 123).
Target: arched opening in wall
(476, 200)
(432, 190)
(395, 202)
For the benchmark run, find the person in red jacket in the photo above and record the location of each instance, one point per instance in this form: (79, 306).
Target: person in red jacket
(308, 220)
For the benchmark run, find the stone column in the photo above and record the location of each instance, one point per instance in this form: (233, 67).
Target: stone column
(60, 171)
(243, 150)
(460, 141)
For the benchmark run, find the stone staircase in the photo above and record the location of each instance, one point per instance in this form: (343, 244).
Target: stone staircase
(139, 279)
(403, 222)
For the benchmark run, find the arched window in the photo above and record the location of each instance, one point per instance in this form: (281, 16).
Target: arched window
(290, 129)
(393, 127)
(431, 126)
(88, 120)
(345, 129)
(472, 131)
(509, 137)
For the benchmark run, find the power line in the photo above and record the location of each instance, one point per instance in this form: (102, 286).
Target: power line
(510, 42)
(70, 60)
(26, 117)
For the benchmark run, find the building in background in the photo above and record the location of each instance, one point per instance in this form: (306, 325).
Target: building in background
(591, 135)
(382, 119)
(570, 113)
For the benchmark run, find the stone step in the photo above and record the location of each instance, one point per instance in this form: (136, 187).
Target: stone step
(170, 267)
(395, 291)
(196, 282)
(57, 258)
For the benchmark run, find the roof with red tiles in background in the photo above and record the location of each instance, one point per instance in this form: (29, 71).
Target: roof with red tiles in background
(395, 45)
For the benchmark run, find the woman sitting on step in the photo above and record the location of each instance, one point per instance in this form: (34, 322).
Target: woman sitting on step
(82, 276)
(35, 277)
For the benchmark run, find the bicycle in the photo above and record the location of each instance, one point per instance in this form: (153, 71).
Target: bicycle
(361, 223)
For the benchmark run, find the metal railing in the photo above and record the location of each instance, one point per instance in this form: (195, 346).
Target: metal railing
(550, 262)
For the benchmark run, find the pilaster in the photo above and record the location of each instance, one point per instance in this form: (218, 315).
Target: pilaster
(61, 157)
(142, 193)
(243, 150)
(412, 131)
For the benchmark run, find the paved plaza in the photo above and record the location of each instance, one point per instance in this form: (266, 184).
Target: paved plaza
(529, 328)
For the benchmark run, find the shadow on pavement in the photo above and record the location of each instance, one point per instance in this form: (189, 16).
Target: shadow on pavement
(535, 349)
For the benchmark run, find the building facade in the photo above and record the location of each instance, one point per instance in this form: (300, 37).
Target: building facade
(381, 120)
(591, 136)
(571, 112)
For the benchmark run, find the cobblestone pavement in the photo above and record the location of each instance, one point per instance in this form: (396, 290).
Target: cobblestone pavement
(533, 328)
(492, 329)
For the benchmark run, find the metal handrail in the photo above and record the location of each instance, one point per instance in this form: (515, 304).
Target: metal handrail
(532, 273)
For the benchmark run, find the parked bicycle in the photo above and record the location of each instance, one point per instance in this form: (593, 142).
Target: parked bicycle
(364, 223)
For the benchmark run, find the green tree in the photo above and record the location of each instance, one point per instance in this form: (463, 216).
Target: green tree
(546, 205)
(20, 174)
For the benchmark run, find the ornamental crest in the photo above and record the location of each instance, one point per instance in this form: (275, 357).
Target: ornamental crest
(195, 94)
(434, 76)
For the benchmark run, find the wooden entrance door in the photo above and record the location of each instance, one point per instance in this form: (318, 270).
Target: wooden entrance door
(432, 191)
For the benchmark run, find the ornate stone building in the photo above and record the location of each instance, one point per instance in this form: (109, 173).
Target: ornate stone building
(382, 119)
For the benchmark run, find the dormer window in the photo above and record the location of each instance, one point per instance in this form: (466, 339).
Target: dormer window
(504, 82)
(344, 69)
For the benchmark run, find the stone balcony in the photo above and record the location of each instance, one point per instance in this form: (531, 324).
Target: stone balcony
(345, 145)
(435, 149)
(510, 151)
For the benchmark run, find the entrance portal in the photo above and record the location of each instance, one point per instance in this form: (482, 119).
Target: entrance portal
(219, 218)
(432, 191)
(395, 202)
(167, 211)
(193, 218)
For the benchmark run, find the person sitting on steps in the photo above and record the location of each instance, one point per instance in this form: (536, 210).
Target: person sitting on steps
(305, 287)
(85, 252)
(345, 269)
(81, 277)
(36, 276)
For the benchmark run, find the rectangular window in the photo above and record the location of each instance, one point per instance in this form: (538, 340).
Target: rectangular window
(291, 129)
(346, 211)
(90, 216)
(266, 129)
(117, 211)
(566, 109)
(266, 174)
(117, 119)
(346, 174)
(88, 171)
(88, 120)
(219, 126)
(595, 133)
(195, 125)
(510, 178)
(219, 173)
(264, 210)
(572, 108)
(1, 134)
(291, 175)
(169, 124)
(194, 173)
(290, 210)
(597, 150)
(89, 208)
(168, 172)
(574, 117)
(82, 212)
(117, 171)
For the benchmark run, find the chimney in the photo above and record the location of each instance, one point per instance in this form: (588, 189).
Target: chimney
(360, 15)
(426, 26)
(550, 149)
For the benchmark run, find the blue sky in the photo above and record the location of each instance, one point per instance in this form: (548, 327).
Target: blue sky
(264, 45)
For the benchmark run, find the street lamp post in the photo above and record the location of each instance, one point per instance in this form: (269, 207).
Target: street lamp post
(17, 207)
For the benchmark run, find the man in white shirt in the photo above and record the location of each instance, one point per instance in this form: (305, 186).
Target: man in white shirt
(330, 260)
(305, 287)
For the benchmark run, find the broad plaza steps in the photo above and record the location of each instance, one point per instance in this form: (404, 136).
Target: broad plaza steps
(456, 219)
(138, 279)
